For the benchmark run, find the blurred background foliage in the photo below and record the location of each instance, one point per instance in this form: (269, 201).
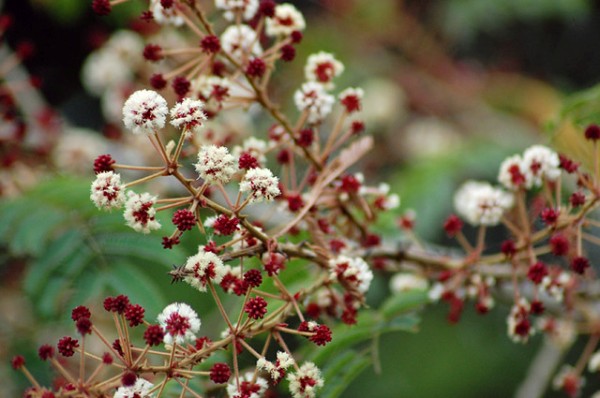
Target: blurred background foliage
(452, 87)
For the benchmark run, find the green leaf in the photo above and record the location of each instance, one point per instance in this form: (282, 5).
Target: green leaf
(90, 285)
(56, 254)
(126, 277)
(34, 229)
(77, 252)
(369, 324)
(54, 293)
(403, 302)
(143, 247)
(583, 107)
(10, 213)
(340, 371)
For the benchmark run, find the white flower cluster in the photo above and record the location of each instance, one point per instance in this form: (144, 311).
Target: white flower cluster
(354, 271)
(215, 164)
(313, 98)
(188, 115)
(204, 266)
(240, 41)
(286, 20)
(141, 389)
(207, 87)
(481, 204)
(537, 164)
(107, 192)
(247, 378)
(276, 370)
(145, 112)
(246, 8)
(305, 382)
(384, 200)
(519, 326)
(165, 16)
(140, 212)
(594, 362)
(554, 285)
(352, 98)
(253, 146)
(261, 184)
(405, 282)
(180, 323)
(322, 67)
(568, 376)
(112, 66)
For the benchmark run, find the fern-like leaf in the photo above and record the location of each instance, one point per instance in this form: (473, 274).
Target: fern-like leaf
(76, 253)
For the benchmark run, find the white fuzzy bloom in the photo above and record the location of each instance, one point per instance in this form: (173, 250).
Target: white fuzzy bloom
(313, 98)
(384, 200)
(567, 374)
(354, 271)
(276, 370)
(284, 360)
(247, 8)
(255, 147)
(352, 92)
(268, 367)
(207, 87)
(204, 266)
(436, 291)
(512, 173)
(540, 162)
(555, 285)
(261, 184)
(594, 362)
(404, 282)
(128, 45)
(352, 98)
(112, 66)
(103, 70)
(107, 192)
(519, 326)
(305, 382)
(165, 16)
(180, 323)
(390, 202)
(145, 112)
(481, 204)
(140, 389)
(188, 114)
(215, 164)
(209, 222)
(235, 272)
(322, 67)
(112, 101)
(140, 213)
(245, 382)
(240, 42)
(76, 148)
(286, 20)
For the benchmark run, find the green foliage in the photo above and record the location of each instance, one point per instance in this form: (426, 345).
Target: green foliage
(353, 348)
(464, 19)
(77, 253)
(578, 111)
(443, 360)
(583, 107)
